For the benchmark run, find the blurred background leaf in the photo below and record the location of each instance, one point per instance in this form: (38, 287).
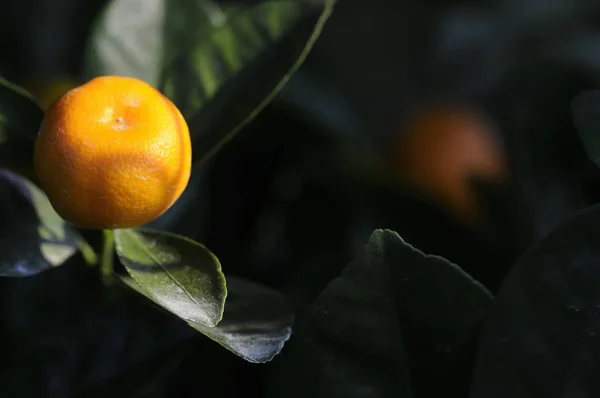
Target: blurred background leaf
(540, 339)
(33, 236)
(20, 119)
(121, 45)
(20, 114)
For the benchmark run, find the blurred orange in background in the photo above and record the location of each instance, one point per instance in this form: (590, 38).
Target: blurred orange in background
(442, 148)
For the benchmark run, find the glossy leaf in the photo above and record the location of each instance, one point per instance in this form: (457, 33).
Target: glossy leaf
(256, 324)
(20, 114)
(236, 68)
(179, 274)
(355, 341)
(33, 237)
(541, 339)
(586, 114)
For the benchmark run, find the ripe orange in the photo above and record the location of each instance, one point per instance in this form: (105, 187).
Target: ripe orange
(443, 148)
(112, 153)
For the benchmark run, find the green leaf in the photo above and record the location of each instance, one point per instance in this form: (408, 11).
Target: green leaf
(179, 274)
(33, 237)
(220, 65)
(541, 339)
(140, 47)
(350, 343)
(126, 46)
(256, 324)
(586, 115)
(20, 114)
(355, 337)
(236, 68)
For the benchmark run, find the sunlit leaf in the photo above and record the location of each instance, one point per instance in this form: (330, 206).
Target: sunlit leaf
(181, 275)
(236, 68)
(256, 324)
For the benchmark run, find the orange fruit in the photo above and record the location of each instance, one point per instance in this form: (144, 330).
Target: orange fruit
(112, 153)
(442, 148)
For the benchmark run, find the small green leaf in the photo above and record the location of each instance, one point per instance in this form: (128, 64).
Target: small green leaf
(256, 324)
(586, 114)
(179, 274)
(541, 339)
(355, 337)
(20, 114)
(33, 237)
(87, 252)
(239, 65)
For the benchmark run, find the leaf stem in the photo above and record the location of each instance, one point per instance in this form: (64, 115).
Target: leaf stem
(106, 266)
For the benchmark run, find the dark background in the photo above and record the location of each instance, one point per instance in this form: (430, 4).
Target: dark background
(280, 205)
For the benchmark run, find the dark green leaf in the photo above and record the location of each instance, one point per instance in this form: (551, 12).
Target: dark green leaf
(20, 114)
(436, 296)
(236, 68)
(256, 324)
(352, 340)
(350, 344)
(181, 275)
(33, 238)
(586, 114)
(541, 339)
